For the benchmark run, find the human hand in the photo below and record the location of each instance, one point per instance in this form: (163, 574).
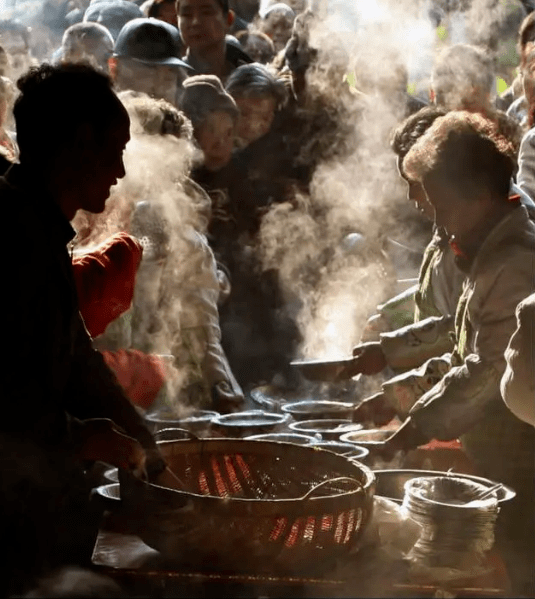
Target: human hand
(374, 409)
(368, 358)
(226, 398)
(406, 437)
(100, 439)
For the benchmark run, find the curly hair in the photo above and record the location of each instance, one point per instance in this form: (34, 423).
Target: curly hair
(157, 117)
(413, 127)
(465, 151)
(55, 100)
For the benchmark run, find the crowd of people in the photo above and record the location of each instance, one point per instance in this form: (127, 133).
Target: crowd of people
(141, 157)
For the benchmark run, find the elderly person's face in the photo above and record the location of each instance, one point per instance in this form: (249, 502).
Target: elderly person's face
(90, 51)
(216, 138)
(157, 81)
(458, 216)
(256, 118)
(278, 26)
(202, 23)
(416, 194)
(259, 49)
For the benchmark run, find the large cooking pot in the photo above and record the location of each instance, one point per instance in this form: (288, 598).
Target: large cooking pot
(253, 506)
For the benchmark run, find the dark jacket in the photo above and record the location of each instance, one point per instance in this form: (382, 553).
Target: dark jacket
(51, 375)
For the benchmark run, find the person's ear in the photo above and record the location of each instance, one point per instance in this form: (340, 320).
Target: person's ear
(83, 140)
(432, 96)
(231, 17)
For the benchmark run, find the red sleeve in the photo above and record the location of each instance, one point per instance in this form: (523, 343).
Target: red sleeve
(105, 280)
(140, 375)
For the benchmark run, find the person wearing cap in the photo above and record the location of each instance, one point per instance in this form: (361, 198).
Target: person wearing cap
(213, 114)
(113, 14)
(204, 26)
(146, 59)
(87, 42)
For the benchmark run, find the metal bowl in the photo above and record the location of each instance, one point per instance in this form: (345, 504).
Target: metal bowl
(242, 424)
(307, 410)
(324, 370)
(330, 429)
(391, 483)
(348, 450)
(284, 438)
(197, 421)
(112, 476)
(367, 438)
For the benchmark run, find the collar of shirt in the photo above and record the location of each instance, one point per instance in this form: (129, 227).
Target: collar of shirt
(510, 226)
(53, 219)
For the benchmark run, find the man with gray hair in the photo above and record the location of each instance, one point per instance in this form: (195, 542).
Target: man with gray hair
(87, 42)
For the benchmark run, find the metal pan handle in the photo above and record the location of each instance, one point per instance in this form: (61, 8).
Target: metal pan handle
(328, 482)
(166, 434)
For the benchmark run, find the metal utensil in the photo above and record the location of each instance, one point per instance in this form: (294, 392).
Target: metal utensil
(489, 492)
(325, 370)
(308, 410)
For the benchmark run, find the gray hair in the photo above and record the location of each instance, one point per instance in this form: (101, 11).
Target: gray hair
(255, 81)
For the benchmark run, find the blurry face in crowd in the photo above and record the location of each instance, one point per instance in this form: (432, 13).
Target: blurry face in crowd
(13, 42)
(202, 23)
(416, 194)
(245, 8)
(93, 52)
(258, 49)
(296, 5)
(216, 139)
(167, 13)
(158, 81)
(256, 118)
(102, 164)
(279, 28)
(528, 80)
(458, 216)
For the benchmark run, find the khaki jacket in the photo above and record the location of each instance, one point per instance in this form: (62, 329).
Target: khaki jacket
(518, 381)
(458, 395)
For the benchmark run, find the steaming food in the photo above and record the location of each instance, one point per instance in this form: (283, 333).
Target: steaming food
(292, 230)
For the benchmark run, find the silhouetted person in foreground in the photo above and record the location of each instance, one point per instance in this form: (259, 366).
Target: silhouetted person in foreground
(62, 407)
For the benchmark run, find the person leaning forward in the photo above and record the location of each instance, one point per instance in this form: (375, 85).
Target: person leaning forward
(61, 405)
